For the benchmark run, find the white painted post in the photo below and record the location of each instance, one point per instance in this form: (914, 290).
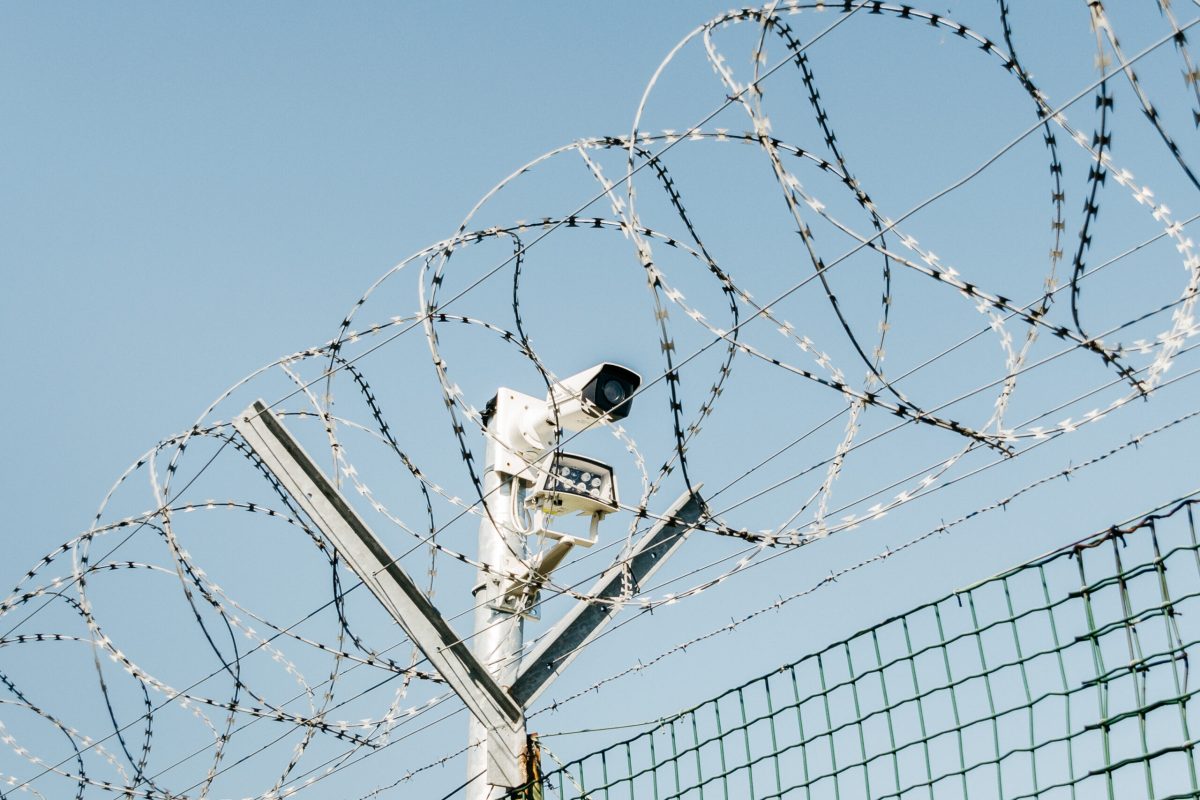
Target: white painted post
(499, 631)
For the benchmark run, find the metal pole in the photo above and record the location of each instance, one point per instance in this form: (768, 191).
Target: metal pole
(498, 631)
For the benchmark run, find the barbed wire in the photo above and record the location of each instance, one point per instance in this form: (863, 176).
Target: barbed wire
(820, 315)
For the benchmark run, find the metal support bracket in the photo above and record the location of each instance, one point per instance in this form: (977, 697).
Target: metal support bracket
(521, 593)
(584, 622)
(365, 554)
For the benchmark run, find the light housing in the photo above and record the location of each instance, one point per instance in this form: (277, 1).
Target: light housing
(568, 482)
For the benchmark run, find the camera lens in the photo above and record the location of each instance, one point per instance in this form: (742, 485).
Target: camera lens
(610, 391)
(613, 392)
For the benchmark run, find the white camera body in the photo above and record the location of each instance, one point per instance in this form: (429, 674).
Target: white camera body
(522, 427)
(599, 392)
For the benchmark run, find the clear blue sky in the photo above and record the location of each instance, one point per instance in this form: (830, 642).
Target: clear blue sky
(192, 192)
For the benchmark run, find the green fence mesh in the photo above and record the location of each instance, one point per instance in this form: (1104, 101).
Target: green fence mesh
(1066, 677)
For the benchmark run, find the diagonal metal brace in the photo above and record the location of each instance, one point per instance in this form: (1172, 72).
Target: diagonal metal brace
(584, 622)
(365, 554)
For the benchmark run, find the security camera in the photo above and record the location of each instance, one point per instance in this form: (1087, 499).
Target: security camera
(522, 427)
(522, 445)
(603, 391)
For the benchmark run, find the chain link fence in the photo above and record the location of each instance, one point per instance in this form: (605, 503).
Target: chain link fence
(1065, 677)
